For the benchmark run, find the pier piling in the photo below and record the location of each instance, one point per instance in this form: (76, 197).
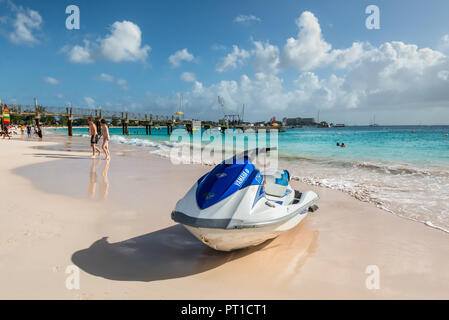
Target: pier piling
(36, 115)
(69, 121)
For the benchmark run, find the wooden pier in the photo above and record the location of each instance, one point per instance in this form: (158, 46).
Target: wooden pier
(148, 120)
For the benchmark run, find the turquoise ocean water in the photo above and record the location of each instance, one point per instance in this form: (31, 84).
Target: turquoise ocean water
(404, 170)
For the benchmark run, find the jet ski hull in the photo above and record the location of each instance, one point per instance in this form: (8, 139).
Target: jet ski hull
(234, 239)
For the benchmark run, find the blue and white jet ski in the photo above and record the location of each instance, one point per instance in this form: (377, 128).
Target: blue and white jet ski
(235, 206)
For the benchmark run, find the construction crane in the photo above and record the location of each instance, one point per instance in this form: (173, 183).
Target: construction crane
(221, 103)
(231, 118)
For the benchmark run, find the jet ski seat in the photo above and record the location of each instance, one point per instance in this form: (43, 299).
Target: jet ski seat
(276, 182)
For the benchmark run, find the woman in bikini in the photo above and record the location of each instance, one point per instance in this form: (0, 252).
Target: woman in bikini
(106, 138)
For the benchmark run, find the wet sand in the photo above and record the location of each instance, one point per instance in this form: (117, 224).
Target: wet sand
(112, 221)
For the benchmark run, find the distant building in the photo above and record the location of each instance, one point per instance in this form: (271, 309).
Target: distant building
(298, 121)
(290, 121)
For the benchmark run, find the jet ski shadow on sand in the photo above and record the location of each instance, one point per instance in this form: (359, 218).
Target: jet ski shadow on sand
(164, 254)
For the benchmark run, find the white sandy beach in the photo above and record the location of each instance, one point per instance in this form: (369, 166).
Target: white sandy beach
(127, 247)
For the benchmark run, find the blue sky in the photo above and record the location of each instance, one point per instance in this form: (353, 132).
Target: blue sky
(319, 71)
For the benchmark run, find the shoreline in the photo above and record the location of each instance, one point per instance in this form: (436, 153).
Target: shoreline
(324, 257)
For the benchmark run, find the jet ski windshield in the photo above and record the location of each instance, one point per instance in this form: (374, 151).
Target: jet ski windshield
(226, 179)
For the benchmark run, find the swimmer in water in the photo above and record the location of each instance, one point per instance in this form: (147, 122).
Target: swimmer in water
(338, 144)
(343, 145)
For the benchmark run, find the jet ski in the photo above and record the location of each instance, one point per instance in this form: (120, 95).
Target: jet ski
(236, 205)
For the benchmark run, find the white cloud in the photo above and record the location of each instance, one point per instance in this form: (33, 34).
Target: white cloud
(188, 77)
(341, 59)
(123, 43)
(60, 96)
(266, 57)
(443, 75)
(218, 47)
(122, 83)
(247, 18)
(444, 44)
(50, 80)
(105, 77)
(179, 56)
(25, 23)
(233, 60)
(90, 102)
(394, 75)
(308, 52)
(79, 54)
(311, 51)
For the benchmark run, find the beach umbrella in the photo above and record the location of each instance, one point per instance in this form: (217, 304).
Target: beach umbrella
(6, 117)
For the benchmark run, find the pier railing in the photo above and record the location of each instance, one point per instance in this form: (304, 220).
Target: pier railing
(87, 113)
(70, 113)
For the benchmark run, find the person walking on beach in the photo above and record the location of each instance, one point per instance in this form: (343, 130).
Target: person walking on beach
(39, 131)
(106, 138)
(6, 133)
(93, 138)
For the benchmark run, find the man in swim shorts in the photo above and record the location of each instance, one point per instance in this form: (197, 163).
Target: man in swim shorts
(93, 138)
